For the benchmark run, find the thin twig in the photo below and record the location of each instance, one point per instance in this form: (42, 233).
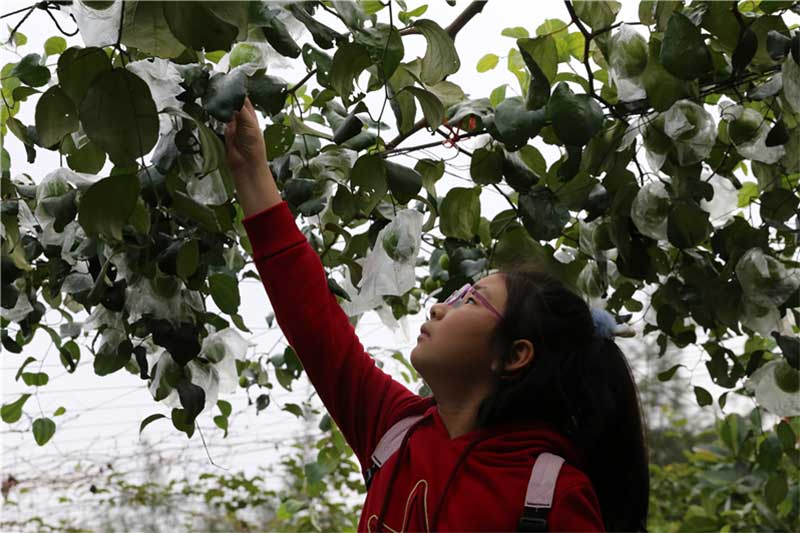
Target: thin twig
(302, 82)
(475, 7)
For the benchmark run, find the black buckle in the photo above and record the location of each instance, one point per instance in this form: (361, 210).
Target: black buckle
(369, 474)
(533, 519)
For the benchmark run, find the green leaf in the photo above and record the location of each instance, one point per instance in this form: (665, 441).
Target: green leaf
(293, 408)
(147, 30)
(55, 45)
(432, 108)
(78, 68)
(702, 396)
(278, 139)
(11, 412)
(576, 118)
(785, 433)
(745, 50)
(225, 95)
(404, 182)
(56, 116)
(368, 181)
(43, 430)
(262, 402)
(30, 71)
(28, 361)
(515, 124)
(188, 259)
(110, 359)
(486, 166)
(222, 423)
(224, 408)
(277, 34)
(146, 422)
(432, 171)
(779, 205)
(193, 398)
(687, 224)
(60, 411)
(542, 53)
(89, 159)
(119, 115)
(225, 292)
(322, 34)
(460, 213)
(666, 375)
(597, 13)
(747, 194)
(517, 32)
(684, 53)
(541, 214)
(662, 88)
(267, 93)
(539, 85)
(497, 95)
(181, 422)
(35, 379)
(99, 216)
(244, 53)
(347, 129)
(487, 62)
(349, 61)
(441, 57)
(459, 114)
(775, 489)
(385, 47)
(197, 27)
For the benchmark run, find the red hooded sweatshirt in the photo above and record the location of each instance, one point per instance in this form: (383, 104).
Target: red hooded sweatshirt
(476, 482)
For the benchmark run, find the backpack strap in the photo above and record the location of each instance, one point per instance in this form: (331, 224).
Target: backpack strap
(539, 498)
(389, 444)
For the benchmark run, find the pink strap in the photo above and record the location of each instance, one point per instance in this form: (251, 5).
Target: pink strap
(392, 439)
(542, 483)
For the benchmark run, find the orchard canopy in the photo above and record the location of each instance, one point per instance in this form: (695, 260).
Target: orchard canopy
(675, 192)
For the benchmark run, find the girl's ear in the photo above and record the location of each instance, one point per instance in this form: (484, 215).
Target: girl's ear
(521, 356)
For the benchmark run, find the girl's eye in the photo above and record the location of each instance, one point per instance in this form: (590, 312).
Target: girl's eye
(470, 299)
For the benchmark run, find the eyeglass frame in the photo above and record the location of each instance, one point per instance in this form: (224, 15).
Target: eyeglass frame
(459, 295)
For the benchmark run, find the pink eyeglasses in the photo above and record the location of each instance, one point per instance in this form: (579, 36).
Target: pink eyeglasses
(458, 297)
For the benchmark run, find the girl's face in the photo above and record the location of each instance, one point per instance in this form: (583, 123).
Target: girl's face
(457, 347)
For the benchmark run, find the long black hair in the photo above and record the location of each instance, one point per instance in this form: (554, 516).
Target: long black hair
(580, 383)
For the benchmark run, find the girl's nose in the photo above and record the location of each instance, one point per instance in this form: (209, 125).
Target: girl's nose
(437, 310)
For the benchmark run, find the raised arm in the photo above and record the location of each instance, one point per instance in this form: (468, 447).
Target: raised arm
(362, 399)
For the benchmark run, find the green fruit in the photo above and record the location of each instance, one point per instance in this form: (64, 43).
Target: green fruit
(787, 378)
(630, 57)
(444, 262)
(396, 253)
(390, 244)
(429, 284)
(744, 128)
(654, 137)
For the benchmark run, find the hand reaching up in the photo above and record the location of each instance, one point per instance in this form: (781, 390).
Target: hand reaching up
(247, 160)
(244, 143)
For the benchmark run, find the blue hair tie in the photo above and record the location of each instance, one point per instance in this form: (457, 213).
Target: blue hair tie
(606, 327)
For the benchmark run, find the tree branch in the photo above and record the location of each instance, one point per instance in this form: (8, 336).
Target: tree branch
(475, 7)
(301, 82)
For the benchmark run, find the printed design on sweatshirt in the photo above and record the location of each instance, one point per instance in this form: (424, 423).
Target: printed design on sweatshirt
(419, 492)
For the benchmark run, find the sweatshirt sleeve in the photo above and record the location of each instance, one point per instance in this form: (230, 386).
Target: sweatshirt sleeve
(577, 509)
(362, 399)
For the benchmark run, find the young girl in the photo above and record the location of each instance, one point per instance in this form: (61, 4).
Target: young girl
(517, 367)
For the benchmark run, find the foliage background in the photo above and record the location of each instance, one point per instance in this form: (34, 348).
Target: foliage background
(748, 473)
